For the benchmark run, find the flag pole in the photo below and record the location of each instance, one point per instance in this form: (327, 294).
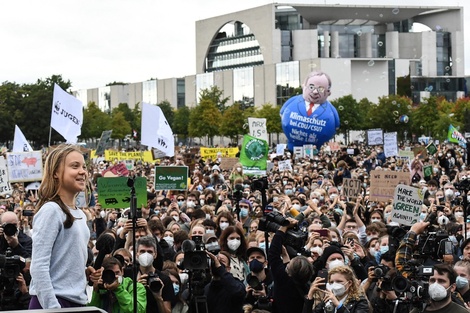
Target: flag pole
(50, 131)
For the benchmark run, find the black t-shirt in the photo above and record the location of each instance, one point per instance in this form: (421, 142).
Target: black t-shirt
(168, 293)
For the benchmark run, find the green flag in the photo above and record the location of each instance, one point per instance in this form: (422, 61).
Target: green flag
(254, 155)
(453, 135)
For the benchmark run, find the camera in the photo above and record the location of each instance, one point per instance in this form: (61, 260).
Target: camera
(260, 184)
(11, 266)
(238, 191)
(380, 271)
(272, 221)
(195, 257)
(10, 229)
(254, 283)
(153, 282)
(108, 276)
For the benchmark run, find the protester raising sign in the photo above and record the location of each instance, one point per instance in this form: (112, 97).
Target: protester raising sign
(407, 203)
(352, 187)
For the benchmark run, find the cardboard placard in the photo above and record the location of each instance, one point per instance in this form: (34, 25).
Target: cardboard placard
(24, 166)
(119, 169)
(115, 193)
(5, 186)
(351, 187)
(285, 166)
(228, 163)
(383, 183)
(407, 203)
(375, 137)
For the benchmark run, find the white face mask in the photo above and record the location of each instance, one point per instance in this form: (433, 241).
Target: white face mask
(375, 220)
(169, 240)
(336, 288)
(443, 220)
(234, 244)
(458, 214)
(202, 202)
(461, 282)
(372, 251)
(176, 218)
(145, 259)
(239, 169)
(102, 214)
(296, 206)
(437, 292)
(449, 193)
(223, 225)
(183, 278)
(317, 250)
(190, 204)
(335, 263)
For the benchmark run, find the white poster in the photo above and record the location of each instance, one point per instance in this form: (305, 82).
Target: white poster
(258, 128)
(4, 183)
(407, 203)
(20, 144)
(280, 148)
(375, 137)
(285, 166)
(390, 144)
(298, 152)
(156, 132)
(308, 151)
(67, 115)
(24, 166)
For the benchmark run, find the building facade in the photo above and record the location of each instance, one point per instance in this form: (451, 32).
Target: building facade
(261, 55)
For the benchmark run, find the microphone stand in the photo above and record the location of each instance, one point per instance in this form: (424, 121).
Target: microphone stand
(133, 216)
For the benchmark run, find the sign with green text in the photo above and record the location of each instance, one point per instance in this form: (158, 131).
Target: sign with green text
(407, 203)
(171, 178)
(113, 192)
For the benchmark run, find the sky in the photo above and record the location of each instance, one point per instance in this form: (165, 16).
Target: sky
(96, 42)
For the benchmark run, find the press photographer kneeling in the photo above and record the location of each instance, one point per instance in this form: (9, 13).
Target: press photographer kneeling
(428, 280)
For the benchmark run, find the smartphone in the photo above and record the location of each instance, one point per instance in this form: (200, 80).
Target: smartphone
(322, 232)
(28, 213)
(323, 274)
(448, 247)
(350, 241)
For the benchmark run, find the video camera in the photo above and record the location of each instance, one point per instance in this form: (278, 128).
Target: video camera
(260, 184)
(195, 257)
(272, 221)
(415, 289)
(10, 268)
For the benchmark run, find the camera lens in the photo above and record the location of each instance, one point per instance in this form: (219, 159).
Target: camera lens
(108, 276)
(400, 284)
(10, 229)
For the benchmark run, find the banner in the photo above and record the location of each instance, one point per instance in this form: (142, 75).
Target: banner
(67, 115)
(375, 137)
(171, 178)
(258, 128)
(5, 186)
(20, 144)
(212, 153)
(254, 155)
(24, 166)
(390, 144)
(453, 135)
(156, 131)
(351, 187)
(105, 136)
(112, 155)
(382, 184)
(407, 203)
(115, 193)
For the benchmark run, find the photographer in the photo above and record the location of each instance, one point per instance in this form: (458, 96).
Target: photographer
(12, 238)
(259, 283)
(291, 279)
(113, 292)
(158, 286)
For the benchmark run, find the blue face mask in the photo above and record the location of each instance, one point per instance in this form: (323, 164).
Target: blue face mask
(243, 212)
(383, 249)
(288, 192)
(180, 203)
(176, 288)
(262, 245)
(422, 216)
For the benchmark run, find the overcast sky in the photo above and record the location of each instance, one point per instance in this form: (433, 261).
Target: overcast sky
(95, 42)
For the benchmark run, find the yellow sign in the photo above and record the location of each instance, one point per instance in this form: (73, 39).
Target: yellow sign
(213, 153)
(111, 155)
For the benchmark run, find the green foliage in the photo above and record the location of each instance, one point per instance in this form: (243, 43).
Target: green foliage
(386, 114)
(350, 115)
(95, 122)
(167, 111)
(232, 122)
(271, 114)
(404, 86)
(215, 95)
(181, 122)
(204, 119)
(120, 126)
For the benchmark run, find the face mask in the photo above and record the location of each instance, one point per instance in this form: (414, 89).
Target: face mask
(169, 240)
(119, 278)
(317, 250)
(461, 282)
(458, 214)
(145, 259)
(437, 292)
(288, 192)
(239, 169)
(449, 155)
(375, 220)
(296, 206)
(333, 196)
(387, 215)
(336, 288)
(422, 216)
(176, 218)
(468, 199)
(256, 266)
(364, 185)
(339, 188)
(223, 225)
(275, 199)
(449, 193)
(443, 220)
(383, 249)
(183, 278)
(180, 203)
(333, 224)
(321, 198)
(234, 244)
(176, 288)
(315, 201)
(102, 214)
(244, 212)
(202, 202)
(262, 245)
(190, 204)
(372, 251)
(335, 263)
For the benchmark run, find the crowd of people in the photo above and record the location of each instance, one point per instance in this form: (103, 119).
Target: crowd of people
(288, 242)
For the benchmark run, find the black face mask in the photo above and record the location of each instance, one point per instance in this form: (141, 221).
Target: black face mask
(256, 266)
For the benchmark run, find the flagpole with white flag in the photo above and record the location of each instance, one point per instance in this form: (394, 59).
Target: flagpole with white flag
(20, 144)
(155, 130)
(66, 115)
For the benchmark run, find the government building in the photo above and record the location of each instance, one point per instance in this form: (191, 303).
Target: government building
(261, 55)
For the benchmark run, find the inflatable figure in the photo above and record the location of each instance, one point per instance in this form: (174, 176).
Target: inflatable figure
(310, 118)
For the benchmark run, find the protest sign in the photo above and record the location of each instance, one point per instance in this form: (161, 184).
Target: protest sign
(407, 203)
(171, 178)
(298, 152)
(383, 183)
(390, 144)
(24, 166)
(258, 128)
(375, 137)
(427, 170)
(431, 148)
(212, 152)
(5, 186)
(228, 163)
(334, 146)
(285, 166)
(421, 152)
(351, 187)
(254, 155)
(119, 169)
(280, 147)
(105, 136)
(129, 164)
(115, 193)
(308, 151)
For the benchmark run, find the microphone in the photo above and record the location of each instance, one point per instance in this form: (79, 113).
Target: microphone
(296, 214)
(188, 246)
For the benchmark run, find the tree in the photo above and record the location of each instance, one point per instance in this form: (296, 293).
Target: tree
(215, 95)
(11, 110)
(232, 122)
(424, 117)
(167, 111)
(350, 115)
(204, 120)
(181, 121)
(95, 122)
(120, 125)
(273, 119)
(386, 114)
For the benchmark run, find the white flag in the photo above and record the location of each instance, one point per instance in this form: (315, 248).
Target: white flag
(20, 144)
(67, 115)
(156, 132)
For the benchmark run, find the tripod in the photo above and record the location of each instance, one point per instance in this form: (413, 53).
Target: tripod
(197, 301)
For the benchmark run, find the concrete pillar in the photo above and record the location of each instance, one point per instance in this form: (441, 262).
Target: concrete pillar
(326, 47)
(335, 44)
(392, 45)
